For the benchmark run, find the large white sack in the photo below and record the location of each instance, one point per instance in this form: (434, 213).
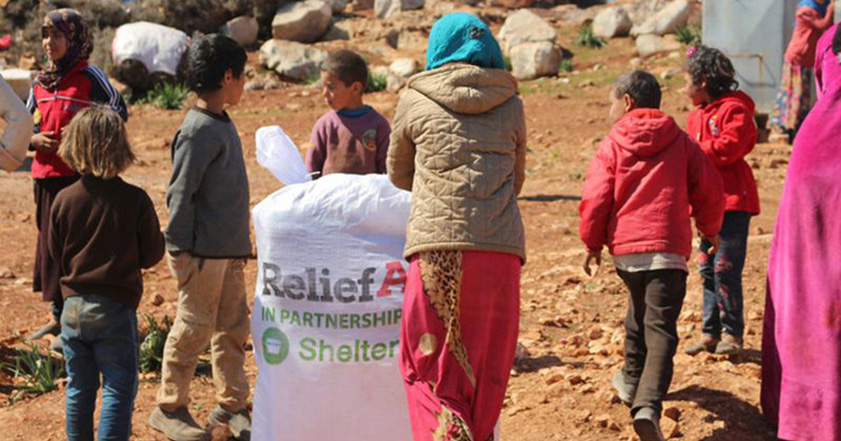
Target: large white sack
(158, 47)
(326, 317)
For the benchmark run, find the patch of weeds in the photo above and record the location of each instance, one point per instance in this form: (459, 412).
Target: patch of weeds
(508, 66)
(566, 66)
(314, 79)
(587, 38)
(35, 373)
(689, 35)
(377, 82)
(152, 347)
(168, 96)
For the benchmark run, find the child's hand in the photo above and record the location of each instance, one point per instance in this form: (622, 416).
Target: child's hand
(591, 256)
(715, 244)
(44, 142)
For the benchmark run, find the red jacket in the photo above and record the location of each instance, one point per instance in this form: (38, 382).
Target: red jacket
(53, 110)
(641, 185)
(726, 132)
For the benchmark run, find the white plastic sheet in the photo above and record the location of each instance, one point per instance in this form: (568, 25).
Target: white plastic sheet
(326, 317)
(158, 47)
(278, 154)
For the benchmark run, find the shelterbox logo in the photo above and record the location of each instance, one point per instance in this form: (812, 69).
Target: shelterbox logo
(275, 346)
(317, 286)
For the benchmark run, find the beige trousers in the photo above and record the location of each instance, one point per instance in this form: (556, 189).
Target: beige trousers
(212, 309)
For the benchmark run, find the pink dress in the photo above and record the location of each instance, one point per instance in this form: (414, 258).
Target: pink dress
(827, 68)
(801, 342)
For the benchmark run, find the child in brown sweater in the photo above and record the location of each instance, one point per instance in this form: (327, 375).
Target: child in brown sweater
(103, 232)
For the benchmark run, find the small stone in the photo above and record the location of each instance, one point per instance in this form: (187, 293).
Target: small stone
(157, 300)
(575, 380)
(603, 420)
(6, 273)
(595, 333)
(672, 413)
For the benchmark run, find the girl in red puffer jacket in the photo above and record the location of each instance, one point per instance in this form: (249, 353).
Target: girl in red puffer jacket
(723, 125)
(65, 87)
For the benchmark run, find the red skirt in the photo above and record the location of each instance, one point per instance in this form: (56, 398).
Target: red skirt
(458, 338)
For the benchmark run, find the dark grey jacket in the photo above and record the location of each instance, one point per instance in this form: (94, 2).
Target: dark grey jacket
(208, 197)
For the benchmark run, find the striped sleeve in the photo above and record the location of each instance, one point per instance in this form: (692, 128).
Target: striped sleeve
(104, 93)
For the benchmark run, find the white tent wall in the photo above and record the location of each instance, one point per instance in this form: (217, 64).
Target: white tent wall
(754, 34)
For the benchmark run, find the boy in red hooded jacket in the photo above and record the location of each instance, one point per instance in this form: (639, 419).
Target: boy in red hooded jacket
(642, 183)
(724, 127)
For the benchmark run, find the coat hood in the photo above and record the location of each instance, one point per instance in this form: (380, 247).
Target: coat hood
(465, 88)
(645, 132)
(738, 98)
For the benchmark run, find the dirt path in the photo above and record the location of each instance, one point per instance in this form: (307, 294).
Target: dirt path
(570, 325)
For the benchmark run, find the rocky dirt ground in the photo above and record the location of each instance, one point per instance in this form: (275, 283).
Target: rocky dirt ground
(571, 325)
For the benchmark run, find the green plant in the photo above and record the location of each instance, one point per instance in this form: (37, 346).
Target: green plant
(313, 79)
(376, 82)
(508, 66)
(566, 65)
(168, 96)
(40, 372)
(587, 38)
(688, 35)
(152, 347)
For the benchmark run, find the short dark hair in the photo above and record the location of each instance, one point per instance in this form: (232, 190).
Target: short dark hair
(348, 66)
(209, 58)
(712, 65)
(641, 86)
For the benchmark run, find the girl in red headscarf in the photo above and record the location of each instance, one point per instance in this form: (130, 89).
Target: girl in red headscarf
(65, 87)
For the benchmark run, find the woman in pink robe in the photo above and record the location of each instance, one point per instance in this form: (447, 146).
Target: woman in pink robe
(801, 343)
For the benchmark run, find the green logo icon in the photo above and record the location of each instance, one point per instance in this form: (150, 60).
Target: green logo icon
(275, 346)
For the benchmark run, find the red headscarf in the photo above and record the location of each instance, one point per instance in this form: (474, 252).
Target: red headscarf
(79, 44)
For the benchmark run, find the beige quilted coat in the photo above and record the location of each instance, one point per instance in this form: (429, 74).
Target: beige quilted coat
(458, 143)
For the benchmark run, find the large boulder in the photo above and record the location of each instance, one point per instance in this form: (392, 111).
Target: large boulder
(650, 44)
(20, 80)
(399, 72)
(339, 30)
(525, 26)
(666, 20)
(242, 29)
(304, 22)
(534, 60)
(388, 8)
(337, 6)
(291, 59)
(612, 22)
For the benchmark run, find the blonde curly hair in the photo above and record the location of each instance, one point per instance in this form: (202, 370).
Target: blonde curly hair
(96, 143)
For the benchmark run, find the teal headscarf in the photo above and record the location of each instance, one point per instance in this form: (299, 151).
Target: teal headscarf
(462, 37)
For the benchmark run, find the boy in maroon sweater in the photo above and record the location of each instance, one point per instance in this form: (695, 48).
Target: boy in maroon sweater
(103, 231)
(351, 138)
(637, 197)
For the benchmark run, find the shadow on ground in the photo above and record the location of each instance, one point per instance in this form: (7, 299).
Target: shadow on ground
(742, 421)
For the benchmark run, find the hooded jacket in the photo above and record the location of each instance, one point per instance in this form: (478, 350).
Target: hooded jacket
(641, 185)
(458, 144)
(726, 132)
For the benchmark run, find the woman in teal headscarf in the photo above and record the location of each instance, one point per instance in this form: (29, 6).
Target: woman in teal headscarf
(458, 143)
